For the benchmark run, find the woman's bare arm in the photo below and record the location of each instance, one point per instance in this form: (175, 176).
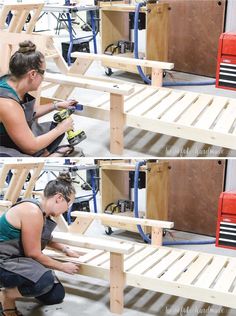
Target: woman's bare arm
(13, 118)
(31, 229)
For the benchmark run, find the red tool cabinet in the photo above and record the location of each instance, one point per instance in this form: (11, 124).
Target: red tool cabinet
(226, 222)
(226, 62)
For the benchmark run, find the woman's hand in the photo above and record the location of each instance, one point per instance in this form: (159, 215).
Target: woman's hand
(65, 125)
(66, 104)
(70, 268)
(70, 253)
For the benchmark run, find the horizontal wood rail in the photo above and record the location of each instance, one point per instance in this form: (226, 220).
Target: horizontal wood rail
(125, 219)
(110, 87)
(124, 60)
(92, 243)
(84, 219)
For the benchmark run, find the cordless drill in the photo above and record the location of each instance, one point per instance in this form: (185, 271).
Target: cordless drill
(74, 137)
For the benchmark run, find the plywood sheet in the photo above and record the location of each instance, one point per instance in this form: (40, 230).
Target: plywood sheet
(194, 30)
(195, 186)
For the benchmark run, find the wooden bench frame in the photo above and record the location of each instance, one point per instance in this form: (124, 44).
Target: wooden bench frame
(198, 117)
(71, 235)
(118, 90)
(194, 275)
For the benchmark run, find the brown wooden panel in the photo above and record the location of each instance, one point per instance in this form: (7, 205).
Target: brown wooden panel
(194, 30)
(195, 186)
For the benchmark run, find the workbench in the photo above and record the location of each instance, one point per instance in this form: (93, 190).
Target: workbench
(67, 10)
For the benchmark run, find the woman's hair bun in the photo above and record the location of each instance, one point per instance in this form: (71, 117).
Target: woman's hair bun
(27, 47)
(64, 176)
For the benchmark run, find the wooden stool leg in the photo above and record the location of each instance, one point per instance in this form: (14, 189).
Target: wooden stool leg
(117, 283)
(117, 123)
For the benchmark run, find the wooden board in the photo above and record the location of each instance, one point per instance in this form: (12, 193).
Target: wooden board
(194, 31)
(195, 209)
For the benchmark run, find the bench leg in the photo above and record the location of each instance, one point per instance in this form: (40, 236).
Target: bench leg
(157, 236)
(117, 283)
(157, 77)
(117, 123)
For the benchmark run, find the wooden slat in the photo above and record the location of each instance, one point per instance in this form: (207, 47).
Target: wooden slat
(195, 269)
(164, 264)
(100, 101)
(208, 277)
(211, 113)
(132, 261)
(227, 119)
(227, 277)
(165, 105)
(179, 107)
(137, 99)
(175, 270)
(104, 257)
(148, 262)
(190, 115)
(91, 255)
(150, 103)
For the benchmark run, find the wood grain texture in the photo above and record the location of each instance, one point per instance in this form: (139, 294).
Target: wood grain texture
(195, 186)
(194, 31)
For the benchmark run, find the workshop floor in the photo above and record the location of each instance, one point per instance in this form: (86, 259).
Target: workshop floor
(89, 296)
(138, 142)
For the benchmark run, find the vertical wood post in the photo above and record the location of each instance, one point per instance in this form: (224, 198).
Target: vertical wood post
(157, 236)
(157, 77)
(117, 123)
(117, 283)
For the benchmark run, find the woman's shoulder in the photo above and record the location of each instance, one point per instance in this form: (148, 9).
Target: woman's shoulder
(29, 207)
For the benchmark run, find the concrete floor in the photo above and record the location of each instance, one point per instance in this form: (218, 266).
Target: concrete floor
(139, 143)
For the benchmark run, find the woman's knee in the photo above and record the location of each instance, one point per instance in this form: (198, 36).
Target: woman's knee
(54, 296)
(42, 286)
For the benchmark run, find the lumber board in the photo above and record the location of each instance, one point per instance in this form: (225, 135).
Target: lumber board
(149, 262)
(210, 115)
(195, 269)
(120, 89)
(93, 243)
(164, 264)
(124, 60)
(177, 268)
(126, 219)
(208, 277)
(178, 108)
(164, 105)
(177, 289)
(227, 278)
